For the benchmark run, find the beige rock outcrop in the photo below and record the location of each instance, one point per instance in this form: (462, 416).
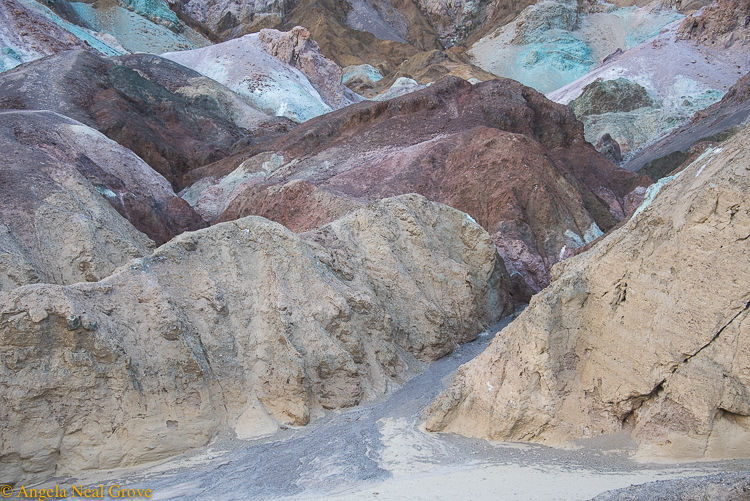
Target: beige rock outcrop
(648, 331)
(243, 325)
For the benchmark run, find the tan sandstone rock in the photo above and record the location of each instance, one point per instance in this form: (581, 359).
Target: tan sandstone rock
(647, 331)
(243, 325)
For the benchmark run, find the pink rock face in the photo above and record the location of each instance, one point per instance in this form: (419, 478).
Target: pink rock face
(501, 152)
(158, 109)
(127, 183)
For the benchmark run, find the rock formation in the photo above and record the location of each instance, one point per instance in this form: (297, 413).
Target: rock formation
(31, 29)
(62, 183)
(346, 46)
(239, 326)
(455, 21)
(609, 148)
(429, 67)
(680, 76)
(618, 109)
(235, 18)
(25, 35)
(611, 96)
(552, 43)
(283, 74)
(716, 123)
(722, 24)
(298, 50)
(499, 151)
(131, 25)
(173, 118)
(648, 331)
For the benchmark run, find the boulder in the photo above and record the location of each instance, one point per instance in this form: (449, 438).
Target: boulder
(611, 96)
(609, 148)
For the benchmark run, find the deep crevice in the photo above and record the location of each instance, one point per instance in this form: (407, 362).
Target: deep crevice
(747, 306)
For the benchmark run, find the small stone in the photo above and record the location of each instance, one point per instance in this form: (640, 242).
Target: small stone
(89, 323)
(73, 322)
(37, 314)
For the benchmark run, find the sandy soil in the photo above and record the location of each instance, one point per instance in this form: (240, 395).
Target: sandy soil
(378, 452)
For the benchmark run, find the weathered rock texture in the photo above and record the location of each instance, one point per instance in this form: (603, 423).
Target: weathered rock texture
(281, 73)
(40, 37)
(455, 21)
(429, 67)
(379, 32)
(620, 109)
(682, 77)
(609, 147)
(61, 185)
(242, 326)
(648, 331)
(327, 22)
(297, 49)
(715, 123)
(608, 96)
(128, 25)
(728, 486)
(173, 118)
(234, 18)
(499, 151)
(31, 29)
(724, 23)
(551, 44)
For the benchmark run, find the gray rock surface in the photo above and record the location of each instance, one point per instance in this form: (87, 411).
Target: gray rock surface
(719, 487)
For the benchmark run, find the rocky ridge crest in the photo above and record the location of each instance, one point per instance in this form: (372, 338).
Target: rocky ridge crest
(242, 326)
(499, 151)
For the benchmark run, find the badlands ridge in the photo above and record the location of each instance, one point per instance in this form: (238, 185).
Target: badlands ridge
(222, 221)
